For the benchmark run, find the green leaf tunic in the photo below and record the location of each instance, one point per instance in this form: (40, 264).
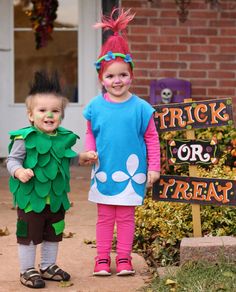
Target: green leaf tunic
(48, 156)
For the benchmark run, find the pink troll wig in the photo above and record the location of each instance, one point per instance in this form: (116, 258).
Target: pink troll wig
(116, 43)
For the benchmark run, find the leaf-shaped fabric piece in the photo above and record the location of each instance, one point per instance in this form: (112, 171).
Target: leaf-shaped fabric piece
(17, 132)
(59, 151)
(67, 186)
(42, 189)
(70, 140)
(70, 153)
(43, 143)
(14, 200)
(43, 159)
(58, 184)
(51, 169)
(57, 147)
(26, 188)
(61, 169)
(53, 154)
(37, 203)
(64, 131)
(39, 174)
(65, 201)
(30, 142)
(31, 158)
(21, 199)
(55, 202)
(13, 184)
(66, 166)
(49, 158)
(24, 132)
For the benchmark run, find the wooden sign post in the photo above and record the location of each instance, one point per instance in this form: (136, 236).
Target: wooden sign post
(197, 229)
(188, 116)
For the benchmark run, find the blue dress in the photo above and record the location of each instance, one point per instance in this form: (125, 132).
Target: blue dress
(119, 177)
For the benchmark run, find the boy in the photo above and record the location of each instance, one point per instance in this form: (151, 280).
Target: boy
(39, 166)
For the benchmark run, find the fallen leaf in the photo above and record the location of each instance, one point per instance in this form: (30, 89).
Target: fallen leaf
(68, 235)
(4, 232)
(64, 284)
(220, 288)
(170, 282)
(89, 241)
(228, 274)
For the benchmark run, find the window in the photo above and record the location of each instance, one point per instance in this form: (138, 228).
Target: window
(107, 7)
(61, 53)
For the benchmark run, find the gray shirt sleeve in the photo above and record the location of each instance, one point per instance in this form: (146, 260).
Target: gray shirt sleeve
(16, 157)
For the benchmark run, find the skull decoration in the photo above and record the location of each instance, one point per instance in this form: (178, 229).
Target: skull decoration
(166, 95)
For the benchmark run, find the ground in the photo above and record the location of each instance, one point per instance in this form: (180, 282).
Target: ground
(75, 256)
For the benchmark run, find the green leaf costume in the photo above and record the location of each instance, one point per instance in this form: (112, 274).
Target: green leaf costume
(49, 158)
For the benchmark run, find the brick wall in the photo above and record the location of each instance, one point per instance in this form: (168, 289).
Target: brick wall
(202, 49)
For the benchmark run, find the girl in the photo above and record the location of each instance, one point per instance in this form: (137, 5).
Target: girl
(120, 127)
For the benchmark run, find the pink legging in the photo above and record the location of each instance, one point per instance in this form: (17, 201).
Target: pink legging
(123, 216)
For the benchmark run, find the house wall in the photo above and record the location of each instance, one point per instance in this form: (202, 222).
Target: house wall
(201, 49)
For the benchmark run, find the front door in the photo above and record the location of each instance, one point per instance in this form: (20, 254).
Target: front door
(73, 50)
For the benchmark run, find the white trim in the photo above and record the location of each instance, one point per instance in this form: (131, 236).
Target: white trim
(87, 51)
(55, 29)
(12, 59)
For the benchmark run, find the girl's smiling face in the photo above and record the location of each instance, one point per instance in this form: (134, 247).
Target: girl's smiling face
(117, 80)
(46, 112)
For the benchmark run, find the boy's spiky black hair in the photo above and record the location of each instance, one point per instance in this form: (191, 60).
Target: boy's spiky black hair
(43, 82)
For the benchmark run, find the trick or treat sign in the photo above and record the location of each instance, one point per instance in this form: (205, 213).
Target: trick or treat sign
(192, 152)
(195, 114)
(187, 116)
(195, 190)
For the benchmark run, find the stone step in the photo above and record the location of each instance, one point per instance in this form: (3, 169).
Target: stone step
(211, 249)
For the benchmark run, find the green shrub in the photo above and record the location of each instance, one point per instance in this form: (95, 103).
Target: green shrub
(160, 227)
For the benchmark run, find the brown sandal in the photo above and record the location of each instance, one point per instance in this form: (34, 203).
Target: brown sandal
(54, 273)
(32, 279)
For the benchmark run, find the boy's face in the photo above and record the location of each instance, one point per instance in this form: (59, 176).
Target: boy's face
(46, 112)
